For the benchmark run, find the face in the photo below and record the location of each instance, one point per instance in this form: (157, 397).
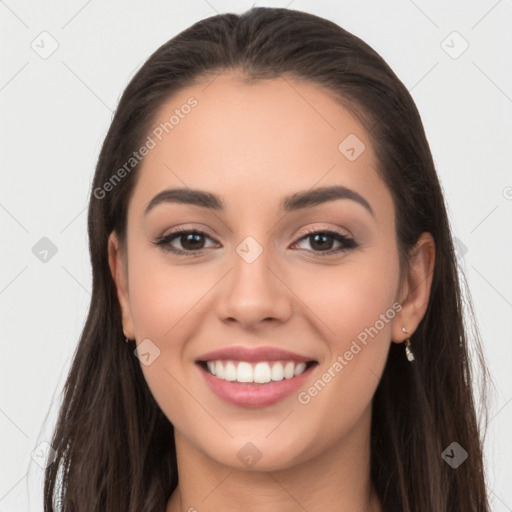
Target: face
(318, 279)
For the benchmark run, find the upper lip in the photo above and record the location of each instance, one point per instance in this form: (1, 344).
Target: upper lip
(239, 353)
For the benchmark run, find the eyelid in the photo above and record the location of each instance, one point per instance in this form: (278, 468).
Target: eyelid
(324, 229)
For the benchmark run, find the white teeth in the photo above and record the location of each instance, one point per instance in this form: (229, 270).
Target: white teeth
(211, 367)
(219, 370)
(299, 369)
(230, 371)
(260, 373)
(277, 372)
(243, 372)
(289, 370)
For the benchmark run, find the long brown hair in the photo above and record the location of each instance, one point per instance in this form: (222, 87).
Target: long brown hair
(115, 446)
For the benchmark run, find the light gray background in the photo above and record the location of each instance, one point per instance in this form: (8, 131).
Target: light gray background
(55, 113)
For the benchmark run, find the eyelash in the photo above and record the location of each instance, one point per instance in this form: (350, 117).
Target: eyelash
(348, 243)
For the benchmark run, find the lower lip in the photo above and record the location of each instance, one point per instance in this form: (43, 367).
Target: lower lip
(254, 395)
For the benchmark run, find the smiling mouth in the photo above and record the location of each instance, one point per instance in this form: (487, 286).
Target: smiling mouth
(262, 372)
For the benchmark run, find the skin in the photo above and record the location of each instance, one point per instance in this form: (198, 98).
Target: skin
(253, 144)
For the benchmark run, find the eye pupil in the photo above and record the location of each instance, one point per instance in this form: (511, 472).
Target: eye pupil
(195, 238)
(321, 246)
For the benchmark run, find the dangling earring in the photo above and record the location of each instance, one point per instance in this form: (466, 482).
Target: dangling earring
(408, 351)
(126, 340)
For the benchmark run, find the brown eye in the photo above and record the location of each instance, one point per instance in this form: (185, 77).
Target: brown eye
(322, 242)
(192, 242)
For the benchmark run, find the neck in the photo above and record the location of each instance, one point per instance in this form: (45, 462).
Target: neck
(337, 480)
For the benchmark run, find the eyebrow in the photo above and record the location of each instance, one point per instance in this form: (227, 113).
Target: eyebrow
(296, 201)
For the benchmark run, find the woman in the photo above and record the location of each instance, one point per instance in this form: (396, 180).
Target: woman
(269, 237)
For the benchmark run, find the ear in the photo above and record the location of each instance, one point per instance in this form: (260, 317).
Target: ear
(415, 290)
(119, 269)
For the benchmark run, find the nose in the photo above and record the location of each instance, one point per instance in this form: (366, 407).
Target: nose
(253, 292)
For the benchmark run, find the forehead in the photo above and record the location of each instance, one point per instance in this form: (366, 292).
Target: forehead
(256, 138)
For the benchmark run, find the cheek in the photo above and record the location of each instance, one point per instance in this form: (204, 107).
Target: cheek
(356, 313)
(166, 309)
(351, 297)
(164, 296)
